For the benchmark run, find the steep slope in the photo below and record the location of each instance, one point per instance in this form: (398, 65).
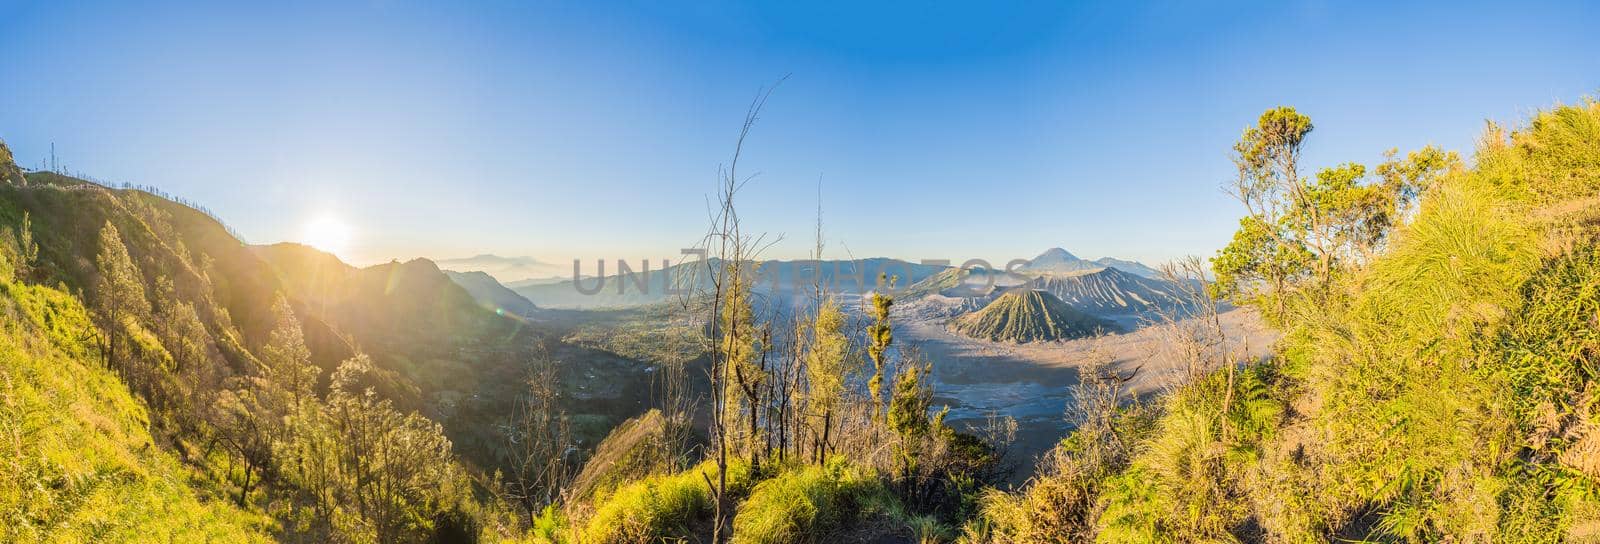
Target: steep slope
(490, 294)
(428, 336)
(1109, 291)
(78, 462)
(954, 291)
(1028, 315)
(9, 172)
(200, 261)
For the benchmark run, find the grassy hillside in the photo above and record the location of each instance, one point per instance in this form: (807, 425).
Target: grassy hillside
(1441, 391)
(245, 387)
(1029, 315)
(80, 464)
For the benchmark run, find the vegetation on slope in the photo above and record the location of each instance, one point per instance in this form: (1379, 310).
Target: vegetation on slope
(1436, 381)
(490, 294)
(1436, 378)
(203, 394)
(79, 463)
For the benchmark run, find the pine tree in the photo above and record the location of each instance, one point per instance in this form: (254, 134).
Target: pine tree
(27, 247)
(286, 355)
(120, 288)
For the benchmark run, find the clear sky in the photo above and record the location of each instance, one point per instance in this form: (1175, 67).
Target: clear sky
(939, 130)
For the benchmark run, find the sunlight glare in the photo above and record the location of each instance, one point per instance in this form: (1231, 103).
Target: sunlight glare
(326, 233)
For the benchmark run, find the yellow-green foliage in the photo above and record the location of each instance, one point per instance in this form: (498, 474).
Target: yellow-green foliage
(1061, 503)
(77, 463)
(1418, 408)
(1445, 390)
(818, 504)
(635, 449)
(827, 360)
(660, 507)
(9, 173)
(1189, 482)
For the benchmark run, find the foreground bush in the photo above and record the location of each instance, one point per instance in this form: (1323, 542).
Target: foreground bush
(834, 503)
(660, 507)
(1444, 388)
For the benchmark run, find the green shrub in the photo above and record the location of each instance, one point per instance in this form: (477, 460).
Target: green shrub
(1189, 484)
(819, 504)
(660, 507)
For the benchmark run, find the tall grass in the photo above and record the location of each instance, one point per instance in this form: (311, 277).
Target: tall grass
(77, 462)
(660, 507)
(816, 504)
(1446, 391)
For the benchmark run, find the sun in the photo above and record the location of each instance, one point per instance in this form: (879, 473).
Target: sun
(326, 233)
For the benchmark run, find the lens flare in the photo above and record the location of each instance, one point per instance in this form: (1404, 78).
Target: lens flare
(326, 233)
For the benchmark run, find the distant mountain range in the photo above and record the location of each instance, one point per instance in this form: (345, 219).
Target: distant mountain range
(842, 277)
(1057, 260)
(518, 284)
(774, 281)
(504, 269)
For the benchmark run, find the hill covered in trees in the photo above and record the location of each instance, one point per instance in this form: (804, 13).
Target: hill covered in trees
(273, 391)
(490, 294)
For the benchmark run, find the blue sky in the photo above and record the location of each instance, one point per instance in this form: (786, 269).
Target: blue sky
(939, 130)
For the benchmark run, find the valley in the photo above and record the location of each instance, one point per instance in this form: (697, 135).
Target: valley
(1033, 382)
(1030, 381)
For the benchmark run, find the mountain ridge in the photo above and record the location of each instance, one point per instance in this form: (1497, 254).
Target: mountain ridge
(491, 294)
(1058, 260)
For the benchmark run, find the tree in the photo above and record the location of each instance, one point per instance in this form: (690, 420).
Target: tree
(120, 288)
(244, 423)
(879, 338)
(1299, 233)
(539, 440)
(395, 470)
(194, 381)
(1413, 176)
(826, 364)
(27, 249)
(908, 413)
(1260, 255)
(744, 352)
(728, 341)
(286, 355)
